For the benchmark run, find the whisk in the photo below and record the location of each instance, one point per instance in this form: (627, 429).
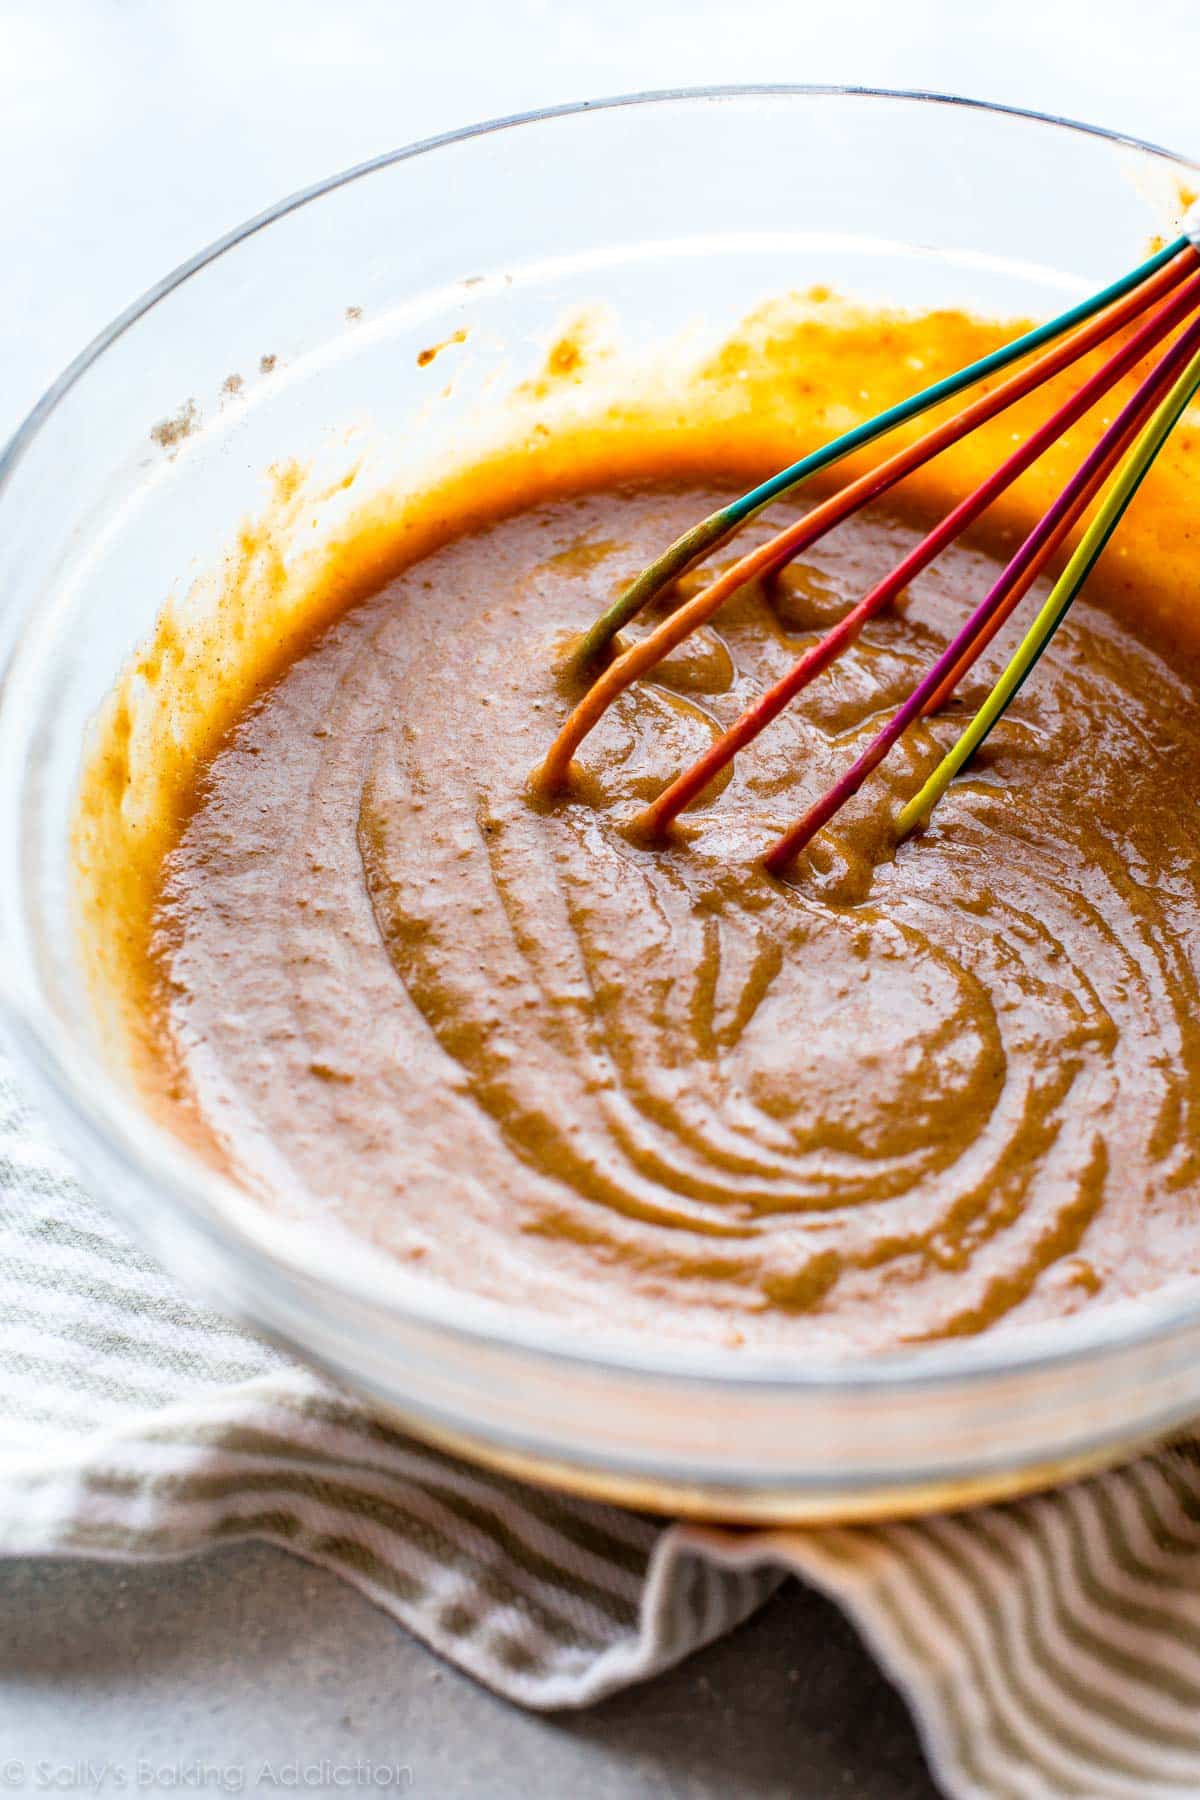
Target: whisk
(1159, 297)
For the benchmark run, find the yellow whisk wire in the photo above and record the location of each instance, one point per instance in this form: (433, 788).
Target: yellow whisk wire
(1123, 487)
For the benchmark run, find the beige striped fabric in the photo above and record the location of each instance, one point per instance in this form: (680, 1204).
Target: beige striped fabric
(1046, 1648)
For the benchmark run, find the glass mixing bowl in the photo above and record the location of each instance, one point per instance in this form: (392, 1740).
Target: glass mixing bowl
(134, 472)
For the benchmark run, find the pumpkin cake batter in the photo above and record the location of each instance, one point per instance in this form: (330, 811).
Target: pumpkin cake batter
(894, 1097)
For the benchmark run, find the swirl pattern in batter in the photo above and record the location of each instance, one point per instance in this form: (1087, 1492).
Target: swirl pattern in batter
(896, 1097)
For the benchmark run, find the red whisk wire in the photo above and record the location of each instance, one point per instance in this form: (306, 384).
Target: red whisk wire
(656, 817)
(1025, 581)
(1111, 445)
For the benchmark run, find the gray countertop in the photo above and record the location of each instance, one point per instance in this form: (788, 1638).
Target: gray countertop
(214, 1674)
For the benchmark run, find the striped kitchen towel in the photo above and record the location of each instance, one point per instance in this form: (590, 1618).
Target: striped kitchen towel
(1049, 1647)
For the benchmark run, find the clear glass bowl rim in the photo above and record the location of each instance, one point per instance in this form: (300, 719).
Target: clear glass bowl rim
(224, 1214)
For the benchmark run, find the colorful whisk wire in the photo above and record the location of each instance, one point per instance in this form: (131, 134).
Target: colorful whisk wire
(1155, 300)
(1060, 598)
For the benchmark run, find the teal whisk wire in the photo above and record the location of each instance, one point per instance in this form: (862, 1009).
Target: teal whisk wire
(701, 538)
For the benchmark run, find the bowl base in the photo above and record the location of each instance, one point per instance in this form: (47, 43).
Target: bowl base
(743, 1504)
